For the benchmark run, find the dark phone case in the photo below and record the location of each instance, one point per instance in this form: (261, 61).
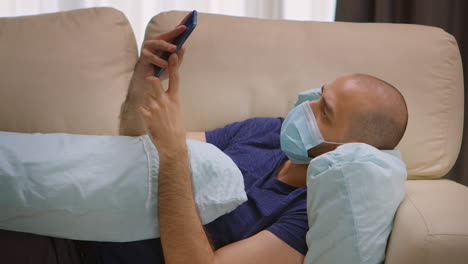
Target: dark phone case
(191, 23)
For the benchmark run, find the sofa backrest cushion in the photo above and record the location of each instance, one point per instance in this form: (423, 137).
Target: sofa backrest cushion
(65, 72)
(236, 68)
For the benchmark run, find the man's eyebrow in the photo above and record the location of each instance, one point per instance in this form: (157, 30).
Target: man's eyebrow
(326, 105)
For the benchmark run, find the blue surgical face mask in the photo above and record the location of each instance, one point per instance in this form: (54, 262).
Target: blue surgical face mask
(299, 133)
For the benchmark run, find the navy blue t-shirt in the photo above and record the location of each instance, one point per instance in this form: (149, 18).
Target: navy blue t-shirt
(254, 145)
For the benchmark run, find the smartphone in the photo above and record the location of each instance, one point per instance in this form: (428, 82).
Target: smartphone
(191, 23)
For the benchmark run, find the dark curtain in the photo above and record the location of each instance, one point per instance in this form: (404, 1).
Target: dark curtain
(450, 15)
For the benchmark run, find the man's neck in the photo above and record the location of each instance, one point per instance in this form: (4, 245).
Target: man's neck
(293, 174)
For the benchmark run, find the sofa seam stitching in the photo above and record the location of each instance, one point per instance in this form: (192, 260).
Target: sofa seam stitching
(426, 222)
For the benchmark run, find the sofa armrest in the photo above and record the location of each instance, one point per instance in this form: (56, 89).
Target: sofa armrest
(431, 224)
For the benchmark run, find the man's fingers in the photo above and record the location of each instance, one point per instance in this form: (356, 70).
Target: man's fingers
(180, 54)
(153, 59)
(173, 74)
(170, 35)
(150, 102)
(154, 45)
(156, 85)
(148, 96)
(144, 111)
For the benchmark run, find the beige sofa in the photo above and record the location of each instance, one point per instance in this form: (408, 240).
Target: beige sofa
(68, 73)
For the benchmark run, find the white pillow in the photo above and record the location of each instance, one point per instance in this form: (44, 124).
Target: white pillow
(353, 193)
(102, 188)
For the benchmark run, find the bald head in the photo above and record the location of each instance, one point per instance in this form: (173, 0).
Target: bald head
(382, 121)
(359, 108)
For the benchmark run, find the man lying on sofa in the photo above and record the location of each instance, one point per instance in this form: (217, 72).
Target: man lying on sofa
(271, 226)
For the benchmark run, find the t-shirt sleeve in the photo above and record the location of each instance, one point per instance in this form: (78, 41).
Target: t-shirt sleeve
(292, 228)
(243, 130)
(222, 137)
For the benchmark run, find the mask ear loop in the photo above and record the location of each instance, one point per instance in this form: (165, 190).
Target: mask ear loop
(331, 142)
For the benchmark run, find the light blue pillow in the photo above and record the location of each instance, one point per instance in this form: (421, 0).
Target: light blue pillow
(102, 188)
(353, 193)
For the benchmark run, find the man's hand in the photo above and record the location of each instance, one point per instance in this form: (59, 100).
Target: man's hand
(162, 112)
(153, 49)
(131, 123)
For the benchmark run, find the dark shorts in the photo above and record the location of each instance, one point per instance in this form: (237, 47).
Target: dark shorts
(22, 248)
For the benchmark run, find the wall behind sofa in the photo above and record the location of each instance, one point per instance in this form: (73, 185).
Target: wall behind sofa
(140, 12)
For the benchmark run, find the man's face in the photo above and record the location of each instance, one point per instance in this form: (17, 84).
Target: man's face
(340, 100)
